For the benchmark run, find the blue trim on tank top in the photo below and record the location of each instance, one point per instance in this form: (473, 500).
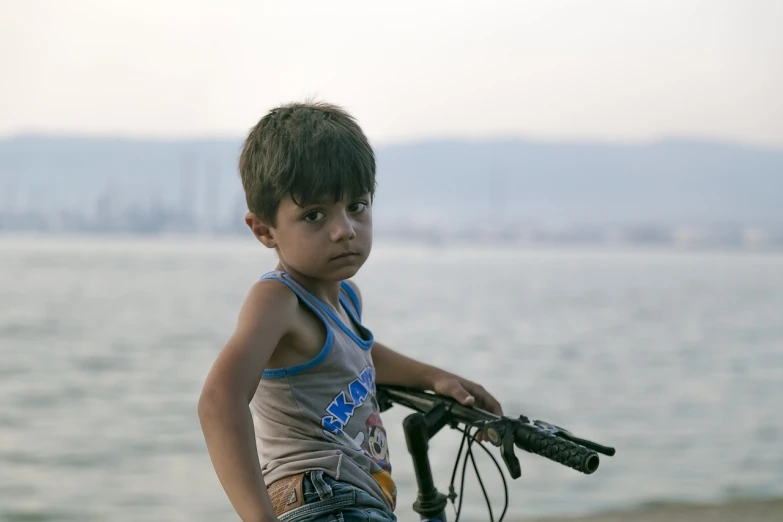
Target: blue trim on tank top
(354, 299)
(364, 345)
(277, 373)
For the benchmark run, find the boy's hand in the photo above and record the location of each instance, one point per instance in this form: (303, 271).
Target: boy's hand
(466, 392)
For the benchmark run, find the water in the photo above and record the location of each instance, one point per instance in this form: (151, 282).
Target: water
(674, 358)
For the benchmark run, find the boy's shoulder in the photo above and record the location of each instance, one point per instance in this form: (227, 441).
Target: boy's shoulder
(270, 294)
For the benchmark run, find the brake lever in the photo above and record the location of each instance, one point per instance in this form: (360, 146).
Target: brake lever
(511, 460)
(501, 433)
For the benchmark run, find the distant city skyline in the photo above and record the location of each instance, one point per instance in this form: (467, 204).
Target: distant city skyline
(671, 184)
(149, 216)
(601, 71)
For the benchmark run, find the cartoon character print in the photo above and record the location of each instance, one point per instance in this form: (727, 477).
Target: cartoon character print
(377, 445)
(372, 439)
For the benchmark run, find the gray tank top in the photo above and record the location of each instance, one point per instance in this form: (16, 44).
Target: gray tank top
(323, 414)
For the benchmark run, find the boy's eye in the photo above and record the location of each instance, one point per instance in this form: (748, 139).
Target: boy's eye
(357, 207)
(315, 215)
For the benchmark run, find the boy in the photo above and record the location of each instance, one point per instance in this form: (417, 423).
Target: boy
(288, 410)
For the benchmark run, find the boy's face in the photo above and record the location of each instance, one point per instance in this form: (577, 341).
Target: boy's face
(328, 241)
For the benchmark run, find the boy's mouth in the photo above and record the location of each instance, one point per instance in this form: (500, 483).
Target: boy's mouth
(345, 254)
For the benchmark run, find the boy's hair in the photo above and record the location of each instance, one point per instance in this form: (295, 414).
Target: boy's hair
(310, 151)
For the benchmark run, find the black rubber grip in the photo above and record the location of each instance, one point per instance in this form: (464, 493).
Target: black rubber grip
(554, 448)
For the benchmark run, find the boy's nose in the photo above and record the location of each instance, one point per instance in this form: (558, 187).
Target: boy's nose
(342, 229)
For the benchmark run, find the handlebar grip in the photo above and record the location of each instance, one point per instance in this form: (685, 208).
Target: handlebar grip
(554, 448)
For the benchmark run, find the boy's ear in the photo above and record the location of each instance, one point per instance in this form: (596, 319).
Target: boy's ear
(261, 230)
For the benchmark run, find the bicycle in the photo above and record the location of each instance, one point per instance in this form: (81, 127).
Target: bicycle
(433, 412)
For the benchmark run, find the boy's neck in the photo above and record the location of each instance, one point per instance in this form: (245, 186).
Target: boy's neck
(326, 291)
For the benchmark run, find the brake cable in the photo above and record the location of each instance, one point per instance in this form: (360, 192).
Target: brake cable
(469, 454)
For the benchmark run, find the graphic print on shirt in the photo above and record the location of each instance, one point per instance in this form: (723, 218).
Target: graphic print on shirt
(370, 435)
(377, 446)
(343, 406)
(370, 438)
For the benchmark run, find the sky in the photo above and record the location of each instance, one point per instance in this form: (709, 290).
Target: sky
(599, 70)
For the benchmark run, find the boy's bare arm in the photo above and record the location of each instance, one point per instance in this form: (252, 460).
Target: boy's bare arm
(394, 368)
(266, 316)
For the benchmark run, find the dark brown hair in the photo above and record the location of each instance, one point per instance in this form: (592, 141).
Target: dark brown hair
(311, 151)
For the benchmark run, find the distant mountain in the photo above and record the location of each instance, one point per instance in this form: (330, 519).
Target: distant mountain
(667, 182)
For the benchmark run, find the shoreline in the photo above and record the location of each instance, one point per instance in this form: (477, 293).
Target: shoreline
(746, 510)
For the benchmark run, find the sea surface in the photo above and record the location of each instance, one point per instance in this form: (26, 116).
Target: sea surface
(675, 358)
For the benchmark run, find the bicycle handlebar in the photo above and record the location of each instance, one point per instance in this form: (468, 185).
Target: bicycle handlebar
(537, 437)
(559, 450)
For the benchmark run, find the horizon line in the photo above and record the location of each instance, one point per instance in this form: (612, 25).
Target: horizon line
(433, 140)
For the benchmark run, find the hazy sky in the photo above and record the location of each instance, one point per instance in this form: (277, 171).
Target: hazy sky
(620, 70)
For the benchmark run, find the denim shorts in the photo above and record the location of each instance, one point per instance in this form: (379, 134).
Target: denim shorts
(328, 500)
